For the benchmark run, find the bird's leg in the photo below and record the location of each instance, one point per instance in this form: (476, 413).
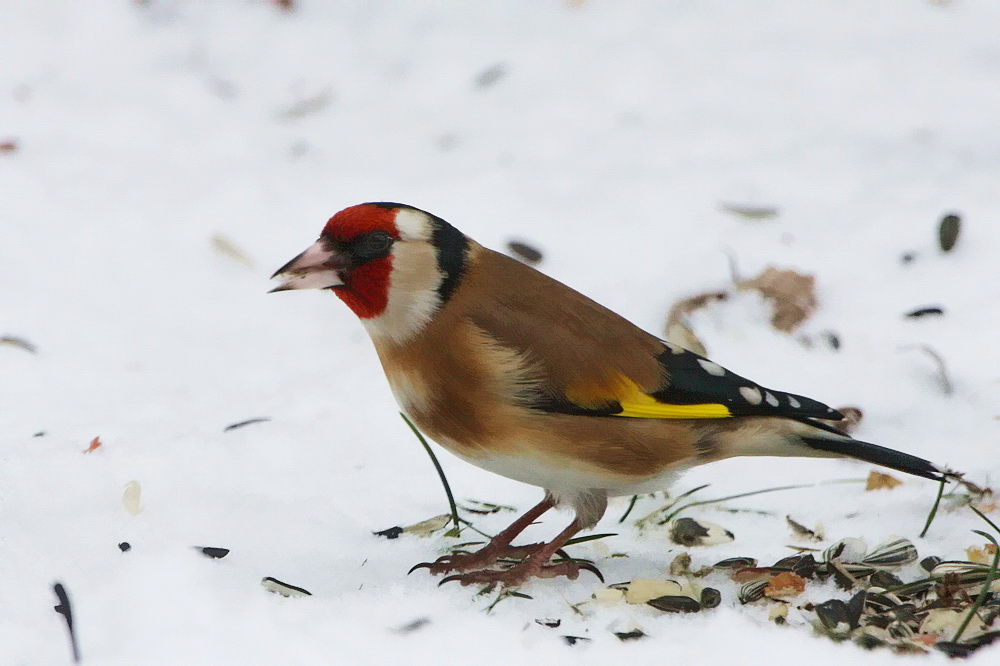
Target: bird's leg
(533, 565)
(498, 547)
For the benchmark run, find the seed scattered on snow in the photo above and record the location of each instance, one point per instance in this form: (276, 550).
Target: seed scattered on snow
(833, 616)
(390, 533)
(752, 591)
(19, 343)
(675, 604)
(131, 498)
(630, 635)
(240, 424)
(849, 549)
(747, 212)
(948, 231)
(929, 562)
(94, 445)
(425, 528)
(803, 532)
(549, 622)
(735, 563)
(124, 546)
(641, 590)
(690, 532)
(931, 310)
(214, 553)
(609, 595)
(710, 597)
(891, 554)
(284, 589)
(525, 252)
(778, 613)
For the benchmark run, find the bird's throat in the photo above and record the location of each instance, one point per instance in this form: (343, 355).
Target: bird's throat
(366, 288)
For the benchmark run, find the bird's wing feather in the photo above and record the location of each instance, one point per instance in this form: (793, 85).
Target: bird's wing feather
(591, 361)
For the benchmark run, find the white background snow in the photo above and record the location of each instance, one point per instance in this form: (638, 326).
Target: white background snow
(609, 136)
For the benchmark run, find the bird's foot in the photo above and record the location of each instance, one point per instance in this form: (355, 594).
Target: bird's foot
(521, 573)
(483, 558)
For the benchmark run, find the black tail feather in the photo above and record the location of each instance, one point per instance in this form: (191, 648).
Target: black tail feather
(879, 455)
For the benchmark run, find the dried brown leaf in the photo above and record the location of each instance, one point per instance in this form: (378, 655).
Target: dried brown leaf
(881, 481)
(678, 331)
(792, 295)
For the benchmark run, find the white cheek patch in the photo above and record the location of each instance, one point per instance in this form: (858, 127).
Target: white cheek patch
(413, 225)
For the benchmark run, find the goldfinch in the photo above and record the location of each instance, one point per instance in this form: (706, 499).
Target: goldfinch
(521, 375)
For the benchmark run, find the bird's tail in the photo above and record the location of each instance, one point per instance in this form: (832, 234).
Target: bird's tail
(842, 445)
(809, 438)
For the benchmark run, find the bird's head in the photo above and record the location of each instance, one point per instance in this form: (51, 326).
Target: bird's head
(392, 264)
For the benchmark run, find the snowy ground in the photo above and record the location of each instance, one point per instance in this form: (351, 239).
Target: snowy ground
(609, 135)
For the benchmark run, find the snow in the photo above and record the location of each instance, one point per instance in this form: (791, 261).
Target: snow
(610, 136)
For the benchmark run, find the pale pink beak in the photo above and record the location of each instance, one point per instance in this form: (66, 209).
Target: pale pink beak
(316, 268)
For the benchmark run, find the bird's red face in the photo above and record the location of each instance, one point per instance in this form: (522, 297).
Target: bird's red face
(353, 258)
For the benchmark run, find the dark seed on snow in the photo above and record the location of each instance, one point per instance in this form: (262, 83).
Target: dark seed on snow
(753, 591)
(710, 597)
(284, 589)
(923, 312)
(834, 615)
(526, 253)
(736, 563)
(573, 640)
(629, 635)
(884, 579)
(929, 562)
(215, 553)
(240, 424)
(124, 546)
(948, 231)
(391, 533)
(675, 604)
(547, 622)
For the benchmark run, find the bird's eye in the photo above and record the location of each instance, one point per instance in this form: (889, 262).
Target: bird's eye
(372, 246)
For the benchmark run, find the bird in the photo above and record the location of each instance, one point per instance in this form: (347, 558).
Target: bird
(521, 375)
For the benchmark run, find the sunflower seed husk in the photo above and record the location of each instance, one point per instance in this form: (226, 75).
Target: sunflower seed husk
(948, 231)
(284, 589)
(884, 579)
(846, 550)
(881, 602)
(690, 532)
(675, 604)
(929, 562)
(641, 590)
(753, 591)
(735, 563)
(710, 597)
(834, 617)
(855, 606)
(525, 252)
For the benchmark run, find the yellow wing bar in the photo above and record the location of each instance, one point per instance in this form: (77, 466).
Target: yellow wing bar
(637, 403)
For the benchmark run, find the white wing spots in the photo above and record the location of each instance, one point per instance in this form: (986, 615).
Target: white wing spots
(413, 225)
(770, 399)
(793, 402)
(711, 367)
(751, 394)
(674, 349)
